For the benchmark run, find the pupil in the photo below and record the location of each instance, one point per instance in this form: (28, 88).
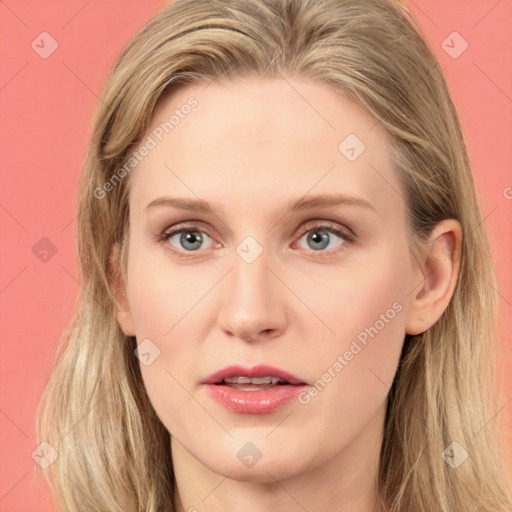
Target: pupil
(191, 237)
(319, 238)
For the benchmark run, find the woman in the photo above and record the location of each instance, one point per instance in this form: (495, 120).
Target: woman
(286, 300)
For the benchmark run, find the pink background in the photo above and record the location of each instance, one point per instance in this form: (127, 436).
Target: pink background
(46, 107)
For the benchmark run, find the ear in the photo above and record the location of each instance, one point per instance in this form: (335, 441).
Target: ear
(437, 274)
(119, 291)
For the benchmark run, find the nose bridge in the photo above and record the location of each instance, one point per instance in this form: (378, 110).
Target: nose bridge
(252, 305)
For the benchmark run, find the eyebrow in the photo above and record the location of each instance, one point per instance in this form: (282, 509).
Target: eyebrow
(302, 204)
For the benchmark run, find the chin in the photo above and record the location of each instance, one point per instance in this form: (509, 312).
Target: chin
(257, 462)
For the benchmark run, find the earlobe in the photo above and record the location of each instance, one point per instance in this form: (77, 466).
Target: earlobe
(438, 275)
(118, 288)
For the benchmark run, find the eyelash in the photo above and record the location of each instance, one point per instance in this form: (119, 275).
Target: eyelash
(316, 226)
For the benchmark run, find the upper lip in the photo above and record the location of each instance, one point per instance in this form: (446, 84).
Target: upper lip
(261, 370)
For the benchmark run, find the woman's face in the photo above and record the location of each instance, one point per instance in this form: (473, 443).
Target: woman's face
(320, 290)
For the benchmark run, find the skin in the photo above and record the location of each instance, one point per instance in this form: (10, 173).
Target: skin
(249, 148)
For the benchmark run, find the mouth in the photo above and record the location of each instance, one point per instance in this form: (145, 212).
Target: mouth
(255, 378)
(258, 390)
(252, 384)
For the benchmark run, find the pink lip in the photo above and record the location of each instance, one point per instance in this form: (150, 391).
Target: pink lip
(261, 370)
(253, 402)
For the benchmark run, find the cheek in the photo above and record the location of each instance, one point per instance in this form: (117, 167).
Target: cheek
(168, 306)
(353, 299)
(356, 365)
(161, 293)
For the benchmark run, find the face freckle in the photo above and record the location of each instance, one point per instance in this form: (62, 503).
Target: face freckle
(249, 168)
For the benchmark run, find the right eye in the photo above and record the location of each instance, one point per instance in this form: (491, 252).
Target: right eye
(184, 239)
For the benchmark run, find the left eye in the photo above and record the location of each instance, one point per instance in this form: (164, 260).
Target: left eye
(319, 238)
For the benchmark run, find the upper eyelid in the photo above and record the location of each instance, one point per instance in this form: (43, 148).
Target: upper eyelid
(308, 225)
(319, 224)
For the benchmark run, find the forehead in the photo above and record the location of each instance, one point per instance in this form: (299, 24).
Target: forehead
(258, 137)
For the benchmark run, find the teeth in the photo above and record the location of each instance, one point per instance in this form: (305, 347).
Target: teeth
(253, 380)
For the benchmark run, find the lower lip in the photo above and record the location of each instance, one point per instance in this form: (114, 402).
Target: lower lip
(253, 402)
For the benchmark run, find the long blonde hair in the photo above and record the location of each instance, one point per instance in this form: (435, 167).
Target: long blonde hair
(113, 451)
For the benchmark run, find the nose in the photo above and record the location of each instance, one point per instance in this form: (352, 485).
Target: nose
(253, 306)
